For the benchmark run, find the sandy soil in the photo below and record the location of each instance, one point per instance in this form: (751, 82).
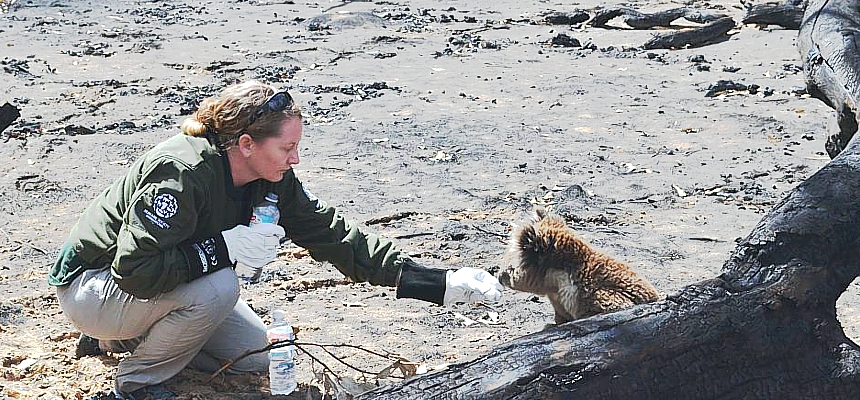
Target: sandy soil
(455, 116)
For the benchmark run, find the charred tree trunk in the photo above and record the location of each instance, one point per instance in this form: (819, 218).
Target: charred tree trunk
(766, 328)
(828, 43)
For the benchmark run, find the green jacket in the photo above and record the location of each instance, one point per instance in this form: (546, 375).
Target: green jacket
(160, 225)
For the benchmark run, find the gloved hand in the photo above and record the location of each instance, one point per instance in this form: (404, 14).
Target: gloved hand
(471, 285)
(255, 246)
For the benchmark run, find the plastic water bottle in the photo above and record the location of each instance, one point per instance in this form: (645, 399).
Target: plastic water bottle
(265, 212)
(282, 374)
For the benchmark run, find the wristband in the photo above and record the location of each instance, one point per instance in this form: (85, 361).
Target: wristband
(206, 256)
(419, 282)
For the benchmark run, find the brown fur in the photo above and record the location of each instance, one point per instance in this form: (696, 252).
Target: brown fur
(546, 258)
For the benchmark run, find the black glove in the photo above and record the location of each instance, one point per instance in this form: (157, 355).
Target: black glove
(440, 286)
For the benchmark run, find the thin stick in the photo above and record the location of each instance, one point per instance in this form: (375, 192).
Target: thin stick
(299, 346)
(345, 3)
(413, 235)
(317, 360)
(20, 243)
(501, 235)
(389, 218)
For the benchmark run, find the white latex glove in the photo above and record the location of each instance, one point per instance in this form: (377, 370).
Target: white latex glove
(254, 247)
(471, 285)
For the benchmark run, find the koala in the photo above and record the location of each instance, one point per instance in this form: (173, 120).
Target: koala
(546, 258)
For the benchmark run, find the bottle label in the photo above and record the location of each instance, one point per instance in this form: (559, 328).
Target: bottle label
(284, 367)
(262, 219)
(264, 215)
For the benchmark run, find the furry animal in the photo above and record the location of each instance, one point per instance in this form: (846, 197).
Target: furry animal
(546, 258)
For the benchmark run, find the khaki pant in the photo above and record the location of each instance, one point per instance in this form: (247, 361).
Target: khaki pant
(198, 324)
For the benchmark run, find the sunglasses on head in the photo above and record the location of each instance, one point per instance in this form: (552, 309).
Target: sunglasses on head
(277, 103)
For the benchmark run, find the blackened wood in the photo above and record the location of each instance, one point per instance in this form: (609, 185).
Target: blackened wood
(828, 43)
(787, 14)
(8, 114)
(565, 18)
(640, 20)
(693, 37)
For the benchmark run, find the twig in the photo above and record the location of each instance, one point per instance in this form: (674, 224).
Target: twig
(267, 348)
(610, 230)
(412, 235)
(343, 362)
(20, 243)
(313, 358)
(389, 218)
(706, 239)
(299, 346)
(501, 235)
(345, 2)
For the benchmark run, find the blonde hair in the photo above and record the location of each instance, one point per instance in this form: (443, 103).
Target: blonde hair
(227, 115)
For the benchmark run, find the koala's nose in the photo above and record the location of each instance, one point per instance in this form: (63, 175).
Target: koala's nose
(505, 278)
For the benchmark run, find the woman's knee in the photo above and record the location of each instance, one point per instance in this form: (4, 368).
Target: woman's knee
(217, 292)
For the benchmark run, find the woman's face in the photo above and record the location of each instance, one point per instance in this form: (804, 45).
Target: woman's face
(273, 156)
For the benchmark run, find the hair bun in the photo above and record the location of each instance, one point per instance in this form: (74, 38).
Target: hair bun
(193, 127)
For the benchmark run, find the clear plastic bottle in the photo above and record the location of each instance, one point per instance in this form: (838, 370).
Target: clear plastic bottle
(265, 212)
(282, 374)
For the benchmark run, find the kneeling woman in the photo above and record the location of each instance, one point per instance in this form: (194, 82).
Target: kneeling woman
(148, 267)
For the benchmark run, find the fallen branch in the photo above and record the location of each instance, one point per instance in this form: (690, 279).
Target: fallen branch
(639, 20)
(694, 37)
(788, 14)
(300, 346)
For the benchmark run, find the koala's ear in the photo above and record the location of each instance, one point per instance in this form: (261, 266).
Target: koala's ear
(540, 213)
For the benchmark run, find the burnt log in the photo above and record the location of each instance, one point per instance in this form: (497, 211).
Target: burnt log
(788, 14)
(828, 43)
(712, 32)
(640, 20)
(564, 18)
(765, 328)
(8, 114)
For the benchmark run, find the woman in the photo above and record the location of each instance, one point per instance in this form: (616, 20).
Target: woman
(148, 267)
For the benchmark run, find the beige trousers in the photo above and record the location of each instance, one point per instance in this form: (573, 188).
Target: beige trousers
(199, 324)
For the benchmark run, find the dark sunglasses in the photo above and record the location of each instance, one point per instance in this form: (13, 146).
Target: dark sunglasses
(277, 103)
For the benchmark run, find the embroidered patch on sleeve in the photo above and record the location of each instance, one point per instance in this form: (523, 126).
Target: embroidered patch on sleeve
(164, 206)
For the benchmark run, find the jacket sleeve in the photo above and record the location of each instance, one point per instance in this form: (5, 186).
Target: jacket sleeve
(156, 247)
(323, 231)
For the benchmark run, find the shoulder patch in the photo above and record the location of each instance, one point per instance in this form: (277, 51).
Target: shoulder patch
(165, 205)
